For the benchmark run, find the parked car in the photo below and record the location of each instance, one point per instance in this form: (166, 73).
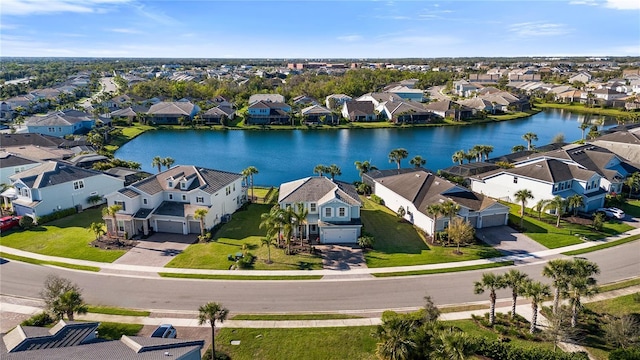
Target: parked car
(165, 331)
(9, 222)
(612, 212)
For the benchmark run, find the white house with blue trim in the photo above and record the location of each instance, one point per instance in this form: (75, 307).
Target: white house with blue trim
(61, 123)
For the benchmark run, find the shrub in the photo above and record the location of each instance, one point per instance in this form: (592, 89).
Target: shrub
(246, 261)
(219, 355)
(26, 222)
(365, 241)
(377, 199)
(56, 215)
(42, 319)
(636, 297)
(625, 354)
(497, 350)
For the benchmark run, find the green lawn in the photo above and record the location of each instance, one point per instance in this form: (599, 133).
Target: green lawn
(602, 246)
(354, 343)
(446, 270)
(632, 208)
(114, 331)
(617, 306)
(546, 233)
(277, 317)
(470, 327)
(620, 285)
(67, 237)
(43, 262)
(580, 108)
(242, 229)
(239, 277)
(112, 310)
(397, 243)
(128, 133)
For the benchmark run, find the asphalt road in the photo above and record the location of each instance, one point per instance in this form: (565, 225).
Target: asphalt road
(292, 296)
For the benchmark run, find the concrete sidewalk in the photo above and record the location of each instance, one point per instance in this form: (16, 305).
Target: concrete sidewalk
(151, 271)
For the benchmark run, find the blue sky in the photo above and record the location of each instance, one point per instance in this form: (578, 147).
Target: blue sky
(318, 29)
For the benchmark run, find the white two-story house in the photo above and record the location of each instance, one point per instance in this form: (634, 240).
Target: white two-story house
(545, 178)
(333, 208)
(167, 202)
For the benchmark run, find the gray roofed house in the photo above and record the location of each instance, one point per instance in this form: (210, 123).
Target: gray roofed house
(316, 114)
(63, 334)
(217, 115)
(333, 209)
(448, 108)
(625, 143)
(12, 163)
(268, 112)
(378, 98)
(335, 101)
(170, 112)
(359, 111)
(10, 140)
(61, 123)
(403, 112)
(276, 98)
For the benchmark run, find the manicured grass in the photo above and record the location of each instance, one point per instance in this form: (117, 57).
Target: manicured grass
(617, 306)
(447, 270)
(258, 191)
(453, 309)
(242, 229)
(513, 116)
(354, 343)
(631, 208)
(43, 262)
(114, 331)
(111, 310)
(547, 234)
(620, 285)
(603, 246)
(275, 317)
(128, 134)
(580, 108)
(398, 243)
(238, 277)
(473, 329)
(67, 237)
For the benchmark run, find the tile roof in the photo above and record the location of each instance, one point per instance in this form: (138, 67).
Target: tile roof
(318, 189)
(208, 180)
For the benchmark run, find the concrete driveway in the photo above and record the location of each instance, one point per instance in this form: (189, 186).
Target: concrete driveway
(508, 240)
(157, 250)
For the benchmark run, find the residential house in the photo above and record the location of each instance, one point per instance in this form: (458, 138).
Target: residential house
(583, 77)
(607, 96)
(274, 98)
(465, 88)
(316, 114)
(572, 96)
(131, 113)
(303, 100)
(333, 208)
(267, 112)
(336, 101)
(12, 164)
(118, 102)
(404, 112)
(449, 109)
(484, 78)
(414, 189)
(407, 94)
(87, 159)
(217, 115)
(70, 340)
(505, 101)
(359, 111)
(477, 104)
(61, 123)
(170, 112)
(378, 98)
(128, 175)
(54, 185)
(167, 202)
(545, 178)
(624, 143)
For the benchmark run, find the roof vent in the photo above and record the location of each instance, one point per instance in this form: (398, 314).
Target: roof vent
(417, 175)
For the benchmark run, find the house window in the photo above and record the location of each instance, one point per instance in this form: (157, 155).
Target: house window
(122, 204)
(184, 197)
(78, 184)
(515, 180)
(170, 184)
(51, 129)
(342, 212)
(183, 185)
(555, 187)
(144, 201)
(313, 228)
(328, 212)
(312, 207)
(120, 225)
(170, 196)
(59, 129)
(234, 186)
(199, 199)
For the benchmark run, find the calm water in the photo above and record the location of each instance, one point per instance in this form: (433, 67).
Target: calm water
(282, 156)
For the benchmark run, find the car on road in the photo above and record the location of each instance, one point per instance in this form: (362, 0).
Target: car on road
(612, 212)
(9, 222)
(165, 331)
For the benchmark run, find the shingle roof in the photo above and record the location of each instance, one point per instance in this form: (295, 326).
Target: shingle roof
(130, 193)
(9, 160)
(547, 170)
(65, 117)
(172, 107)
(8, 140)
(207, 180)
(356, 107)
(315, 109)
(63, 334)
(52, 173)
(316, 189)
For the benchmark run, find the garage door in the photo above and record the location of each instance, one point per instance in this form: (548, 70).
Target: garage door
(194, 227)
(473, 221)
(173, 227)
(338, 236)
(492, 220)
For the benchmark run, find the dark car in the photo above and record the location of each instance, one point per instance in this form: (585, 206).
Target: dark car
(9, 222)
(166, 331)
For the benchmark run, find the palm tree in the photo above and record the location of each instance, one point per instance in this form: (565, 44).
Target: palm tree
(69, 303)
(364, 167)
(300, 218)
(168, 162)
(584, 126)
(321, 169)
(486, 150)
(248, 173)
(268, 241)
(97, 229)
(200, 214)
(539, 206)
(271, 221)
(518, 148)
(212, 312)
(450, 209)
(530, 137)
(112, 211)
(434, 211)
(477, 151)
(470, 155)
(157, 162)
(417, 161)
(559, 270)
(522, 196)
(558, 204)
(334, 171)
(490, 282)
(515, 280)
(536, 292)
(581, 283)
(633, 182)
(396, 155)
(396, 340)
(458, 157)
(451, 344)
(575, 202)
(460, 232)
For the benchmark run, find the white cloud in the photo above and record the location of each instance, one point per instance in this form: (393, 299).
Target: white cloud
(623, 4)
(583, 2)
(350, 38)
(538, 28)
(124, 31)
(31, 7)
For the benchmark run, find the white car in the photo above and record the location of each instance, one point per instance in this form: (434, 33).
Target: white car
(165, 331)
(612, 212)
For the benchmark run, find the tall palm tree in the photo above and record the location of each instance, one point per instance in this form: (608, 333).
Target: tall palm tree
(364, 167)
(334, 170)
(469, 156)
(450, 209)
(321, 169)
(248, 173)
(522, 196)
(539, 206)
(581, 283)
(458, 157)
(515, 280)
(633, 182)
(529, 138)
(268, 241)
(157, 162)
(300, 218)
(417, 161)
(168, 162)
(558, 204)
(69, 303)
(575, 202)
(536, 292)
(199, 215)
(460, 232)
(112, 211)
(559, 270)
(477, 151)
(489, 282)
(396, 155)
(212, 312)
(486, 150)
(434, 211)
(584, 126)
(518, 148)
(271, 222)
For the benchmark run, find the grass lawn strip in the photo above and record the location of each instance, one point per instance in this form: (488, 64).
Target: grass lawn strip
(620, 285)
(285, 317)
(619, 306)
(631, 208)
(114, 331)
(44, 262)
(603, 246)
(446, 270)
(239, 277)
(398, 243)
(111, 310)
(68, 237)
(580, 108)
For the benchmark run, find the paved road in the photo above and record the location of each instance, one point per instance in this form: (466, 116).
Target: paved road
(291, 296)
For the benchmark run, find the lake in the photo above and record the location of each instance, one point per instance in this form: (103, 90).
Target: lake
(285, 155)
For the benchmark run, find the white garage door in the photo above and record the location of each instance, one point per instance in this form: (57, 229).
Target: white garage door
(194, 227)
(338, 236)
(173, 227)
(492, 220)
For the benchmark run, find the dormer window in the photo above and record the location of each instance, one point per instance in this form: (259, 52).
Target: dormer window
(170, 184)
(183, 185)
